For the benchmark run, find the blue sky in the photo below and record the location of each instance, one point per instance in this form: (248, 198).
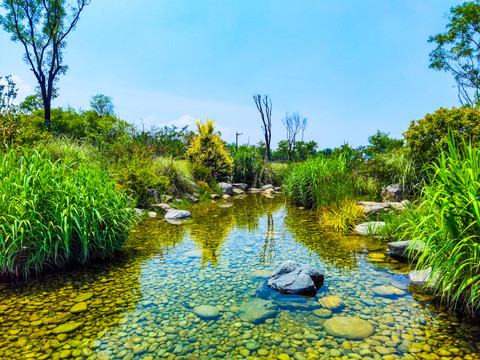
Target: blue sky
(350, 66)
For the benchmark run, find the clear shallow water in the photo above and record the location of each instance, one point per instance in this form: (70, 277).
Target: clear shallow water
(141, 306)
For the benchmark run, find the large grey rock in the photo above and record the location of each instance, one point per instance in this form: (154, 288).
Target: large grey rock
(257, 310)
(393, 192)
(292, 277)
(408, 250)
(351, 328)
(177, 214)
(206, 312)
(369, 227)
(421, 279)
(226, 188)
(241, 186)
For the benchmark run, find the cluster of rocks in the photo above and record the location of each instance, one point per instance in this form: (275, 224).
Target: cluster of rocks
(229, 190)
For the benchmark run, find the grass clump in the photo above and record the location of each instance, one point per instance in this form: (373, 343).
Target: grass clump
(179, 172)
(342, 216)
(54, 213)
(248, 166)
(321, 181)
(447, 222)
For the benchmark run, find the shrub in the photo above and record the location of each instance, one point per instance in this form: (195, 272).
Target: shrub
(204, 190)
(137, 174)
(322, 181)
(207, 149)
(54, 213)
(342, 216)
(63, 148)
(427, 136)
(447, 222)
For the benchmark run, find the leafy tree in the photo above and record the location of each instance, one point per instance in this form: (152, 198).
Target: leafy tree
(208, 149)
(425, 137)
(42, 26)
(31, 103)
(458, 50)
(381, 143)
(102, 105)
(304, 149)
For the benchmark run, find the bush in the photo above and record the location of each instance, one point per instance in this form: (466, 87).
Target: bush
(62, 148)
(322, 181)
(207, 149)
(427, 136)
(447, 222)
(342, 216)
(137, 174)
(54, 213)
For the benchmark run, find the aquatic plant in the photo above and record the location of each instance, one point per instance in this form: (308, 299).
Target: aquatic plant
(54, 213)
(447, 223)
(342, 216)
(322, 181)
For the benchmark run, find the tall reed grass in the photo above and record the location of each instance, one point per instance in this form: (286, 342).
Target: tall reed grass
(447, 222)
(322, 181)
(179, 172)
(54, 213)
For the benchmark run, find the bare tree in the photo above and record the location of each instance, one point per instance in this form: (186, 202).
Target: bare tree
(294, 123)
(264, 106)
(42, 26)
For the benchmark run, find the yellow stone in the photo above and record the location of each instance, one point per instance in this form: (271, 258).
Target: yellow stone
(331, 302)
(283, 357)
(79, 307)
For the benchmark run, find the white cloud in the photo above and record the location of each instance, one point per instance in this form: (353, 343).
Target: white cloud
(185, 120)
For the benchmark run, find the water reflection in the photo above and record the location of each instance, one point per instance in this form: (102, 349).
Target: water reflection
(144, 305)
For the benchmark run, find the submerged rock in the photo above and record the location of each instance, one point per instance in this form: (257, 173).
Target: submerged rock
(177, 214)
(206, 312)
(257, 310)
(66, 328)
(387, 291)
(194, 254)
(292, 277)
(369, 227)
(332, 302)
(83, 297)
(238, 191)
(269, 193)
(323, 313)
(351, 328)
(408, 250)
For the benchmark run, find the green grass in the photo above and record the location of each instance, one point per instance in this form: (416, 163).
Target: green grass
(55, 213)
(447, 221)
(248, 167)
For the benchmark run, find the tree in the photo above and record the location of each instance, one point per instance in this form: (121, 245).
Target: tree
(42, 26)
(102, 105)
(425, 137)
(31, 104)
(381, 143)
(264, 106)
(294, 123)
(458, 50)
